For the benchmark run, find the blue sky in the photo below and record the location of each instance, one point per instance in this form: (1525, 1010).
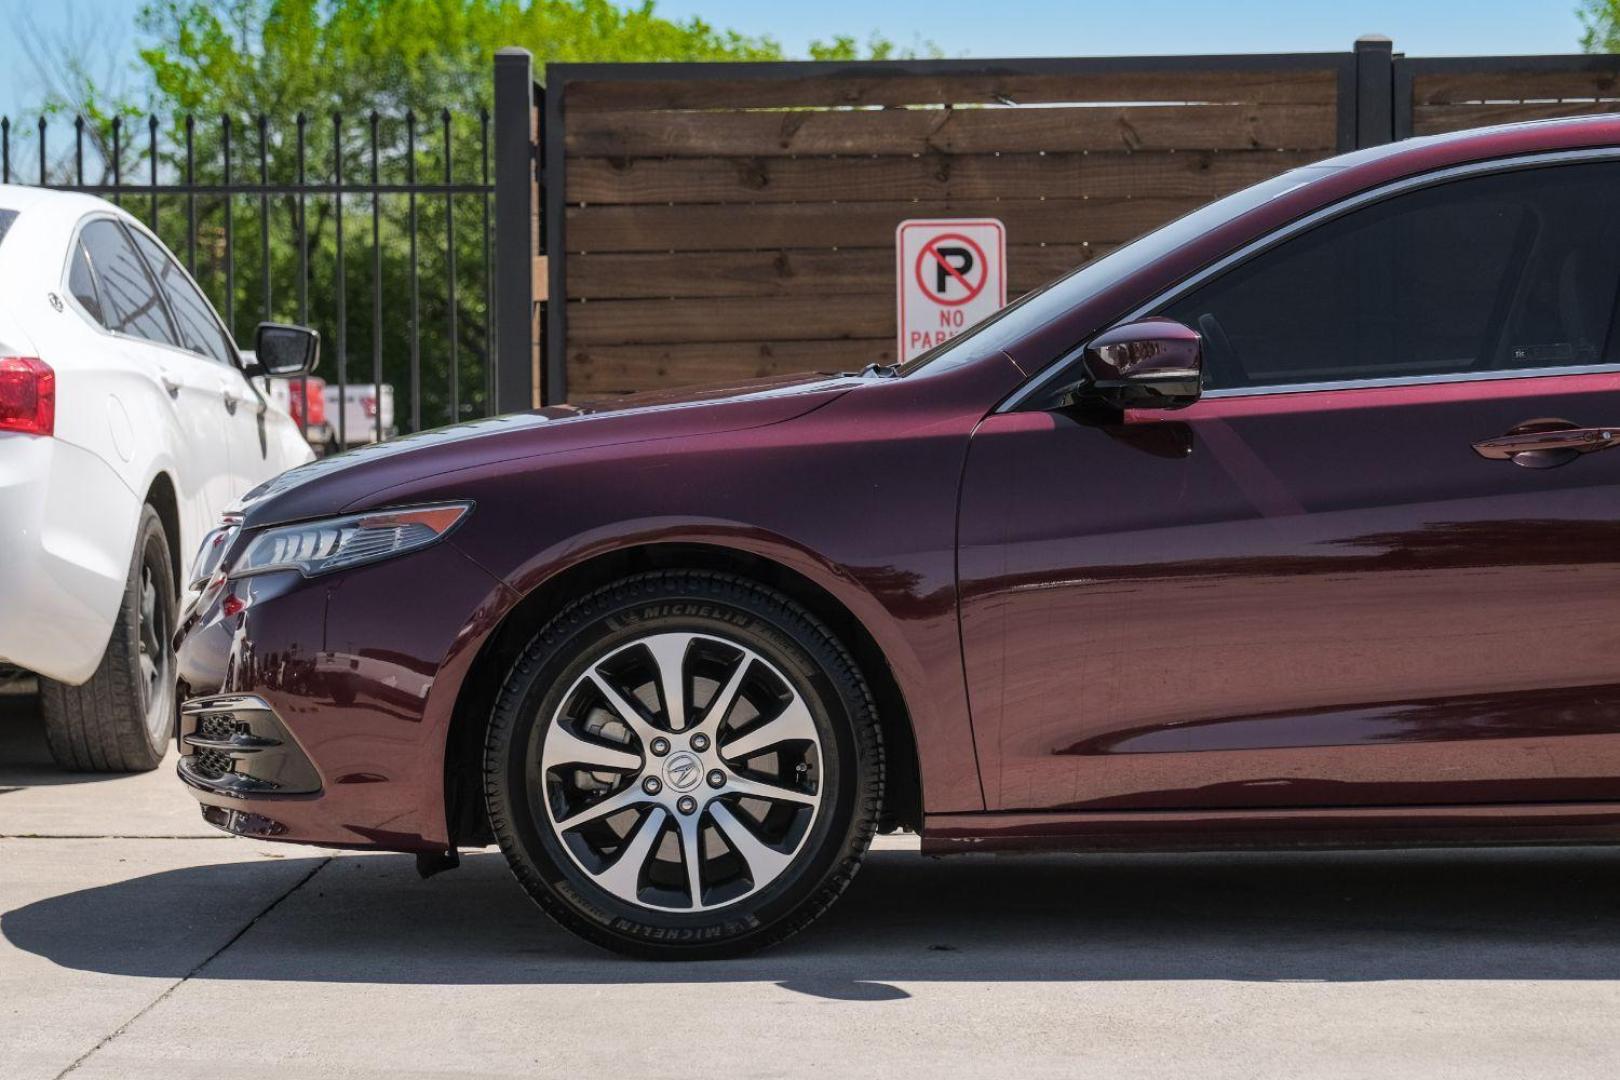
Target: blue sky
(977, 28)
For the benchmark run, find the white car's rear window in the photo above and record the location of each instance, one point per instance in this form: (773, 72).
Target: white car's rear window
(6, 218)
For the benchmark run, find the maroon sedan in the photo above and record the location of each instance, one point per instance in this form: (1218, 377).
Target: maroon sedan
(1287, 525)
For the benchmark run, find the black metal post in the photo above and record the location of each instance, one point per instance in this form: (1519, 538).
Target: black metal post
(450, 269)
(230, 231)
(152, 165)
(376, 284)
(264, 214)
(553, 177)
(302, 125)
(117, 141)
(191, 195)
(513, 293)
(416, 273)
(342, 301)
(1375, 90)
(489, 265)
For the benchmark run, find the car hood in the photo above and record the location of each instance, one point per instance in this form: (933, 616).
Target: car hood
(345, 481)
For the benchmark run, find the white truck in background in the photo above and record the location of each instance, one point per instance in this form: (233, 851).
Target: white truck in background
(353, 415)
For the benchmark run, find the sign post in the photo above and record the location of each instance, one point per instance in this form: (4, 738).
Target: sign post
(950, 273)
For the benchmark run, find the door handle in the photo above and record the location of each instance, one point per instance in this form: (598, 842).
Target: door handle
(230, 401)
(169, 385)
(1544, 444)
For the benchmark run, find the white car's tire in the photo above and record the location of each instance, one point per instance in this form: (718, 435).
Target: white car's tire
(121, 718)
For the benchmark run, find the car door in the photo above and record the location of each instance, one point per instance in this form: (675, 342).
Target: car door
(203, 335)
(1343, 577)
(132, 308)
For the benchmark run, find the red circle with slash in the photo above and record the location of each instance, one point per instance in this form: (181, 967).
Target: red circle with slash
(930, 250)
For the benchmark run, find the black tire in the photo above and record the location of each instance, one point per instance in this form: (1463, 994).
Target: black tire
(120, 720)
(822, 672)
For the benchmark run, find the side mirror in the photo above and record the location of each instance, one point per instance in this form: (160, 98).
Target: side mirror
(284, 352)
(1152, 363)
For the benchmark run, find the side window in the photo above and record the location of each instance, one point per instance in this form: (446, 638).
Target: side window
(199, 331)
(1494, 273)
(129, 297)
(82, 284)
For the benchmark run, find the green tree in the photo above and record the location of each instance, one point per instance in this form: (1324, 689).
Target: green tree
(429, 60)
(1600, 25)
(274, 56)
(406, 67)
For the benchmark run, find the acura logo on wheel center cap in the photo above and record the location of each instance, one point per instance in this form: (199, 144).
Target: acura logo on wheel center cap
(683, 771)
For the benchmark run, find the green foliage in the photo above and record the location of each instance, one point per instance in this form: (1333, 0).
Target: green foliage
(1600, 25)
(878, 47)
(392, 55)
(374, 63)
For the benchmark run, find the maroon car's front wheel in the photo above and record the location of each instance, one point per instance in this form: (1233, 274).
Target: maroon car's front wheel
(684, 764)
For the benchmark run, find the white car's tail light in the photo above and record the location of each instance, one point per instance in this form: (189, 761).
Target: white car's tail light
(27, 395)
(317, 547)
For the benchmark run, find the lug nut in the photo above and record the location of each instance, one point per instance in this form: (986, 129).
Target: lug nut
(686, 805)
(651, 785)
(717, 779)
(700, 742)
(660, 746)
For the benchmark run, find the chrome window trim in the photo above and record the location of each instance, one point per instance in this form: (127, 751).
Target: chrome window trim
(1413, 380)
(1044, 380)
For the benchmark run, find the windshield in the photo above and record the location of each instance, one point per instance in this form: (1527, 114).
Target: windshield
(6, 218)
(1063, 294)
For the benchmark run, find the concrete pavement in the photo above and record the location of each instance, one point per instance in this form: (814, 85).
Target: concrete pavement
(135, 943)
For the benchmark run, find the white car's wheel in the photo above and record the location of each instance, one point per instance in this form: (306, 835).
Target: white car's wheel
(120, 720)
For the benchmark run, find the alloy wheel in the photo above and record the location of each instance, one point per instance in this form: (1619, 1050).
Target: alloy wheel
(153, 651)
(680, 772)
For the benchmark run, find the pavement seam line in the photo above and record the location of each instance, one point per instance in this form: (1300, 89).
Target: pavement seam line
(187, 977)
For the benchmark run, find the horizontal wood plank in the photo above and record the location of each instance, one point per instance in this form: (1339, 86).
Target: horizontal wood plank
(1487, 86)
(595, 371)
(870, 224)
(1163, 84)
(754, 319)
(777, 133)
(786, 272)
(1202, 174)
(1438, 119)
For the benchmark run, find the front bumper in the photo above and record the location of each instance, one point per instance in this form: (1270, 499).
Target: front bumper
(316, 710)
(235, 745)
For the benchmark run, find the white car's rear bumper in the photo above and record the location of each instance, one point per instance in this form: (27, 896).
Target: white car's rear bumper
(67, 530)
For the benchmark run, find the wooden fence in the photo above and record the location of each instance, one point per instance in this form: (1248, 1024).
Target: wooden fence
(1452, 93)
(703, 222)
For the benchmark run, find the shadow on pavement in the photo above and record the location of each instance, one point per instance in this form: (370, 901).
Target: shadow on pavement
(1509, 914)
(25, 761)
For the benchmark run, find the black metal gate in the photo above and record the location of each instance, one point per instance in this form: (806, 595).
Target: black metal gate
(291, 220)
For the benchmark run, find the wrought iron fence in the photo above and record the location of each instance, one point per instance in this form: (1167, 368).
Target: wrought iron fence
(418, 194)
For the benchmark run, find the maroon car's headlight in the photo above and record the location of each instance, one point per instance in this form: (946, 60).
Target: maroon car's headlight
(213, 549)
(319, 547)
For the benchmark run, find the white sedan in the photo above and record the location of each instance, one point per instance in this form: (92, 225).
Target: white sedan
(129, 423)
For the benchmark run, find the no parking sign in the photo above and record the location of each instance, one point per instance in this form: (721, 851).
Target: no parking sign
(950, 273)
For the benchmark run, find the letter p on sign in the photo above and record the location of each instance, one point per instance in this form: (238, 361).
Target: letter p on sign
(950, 273)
